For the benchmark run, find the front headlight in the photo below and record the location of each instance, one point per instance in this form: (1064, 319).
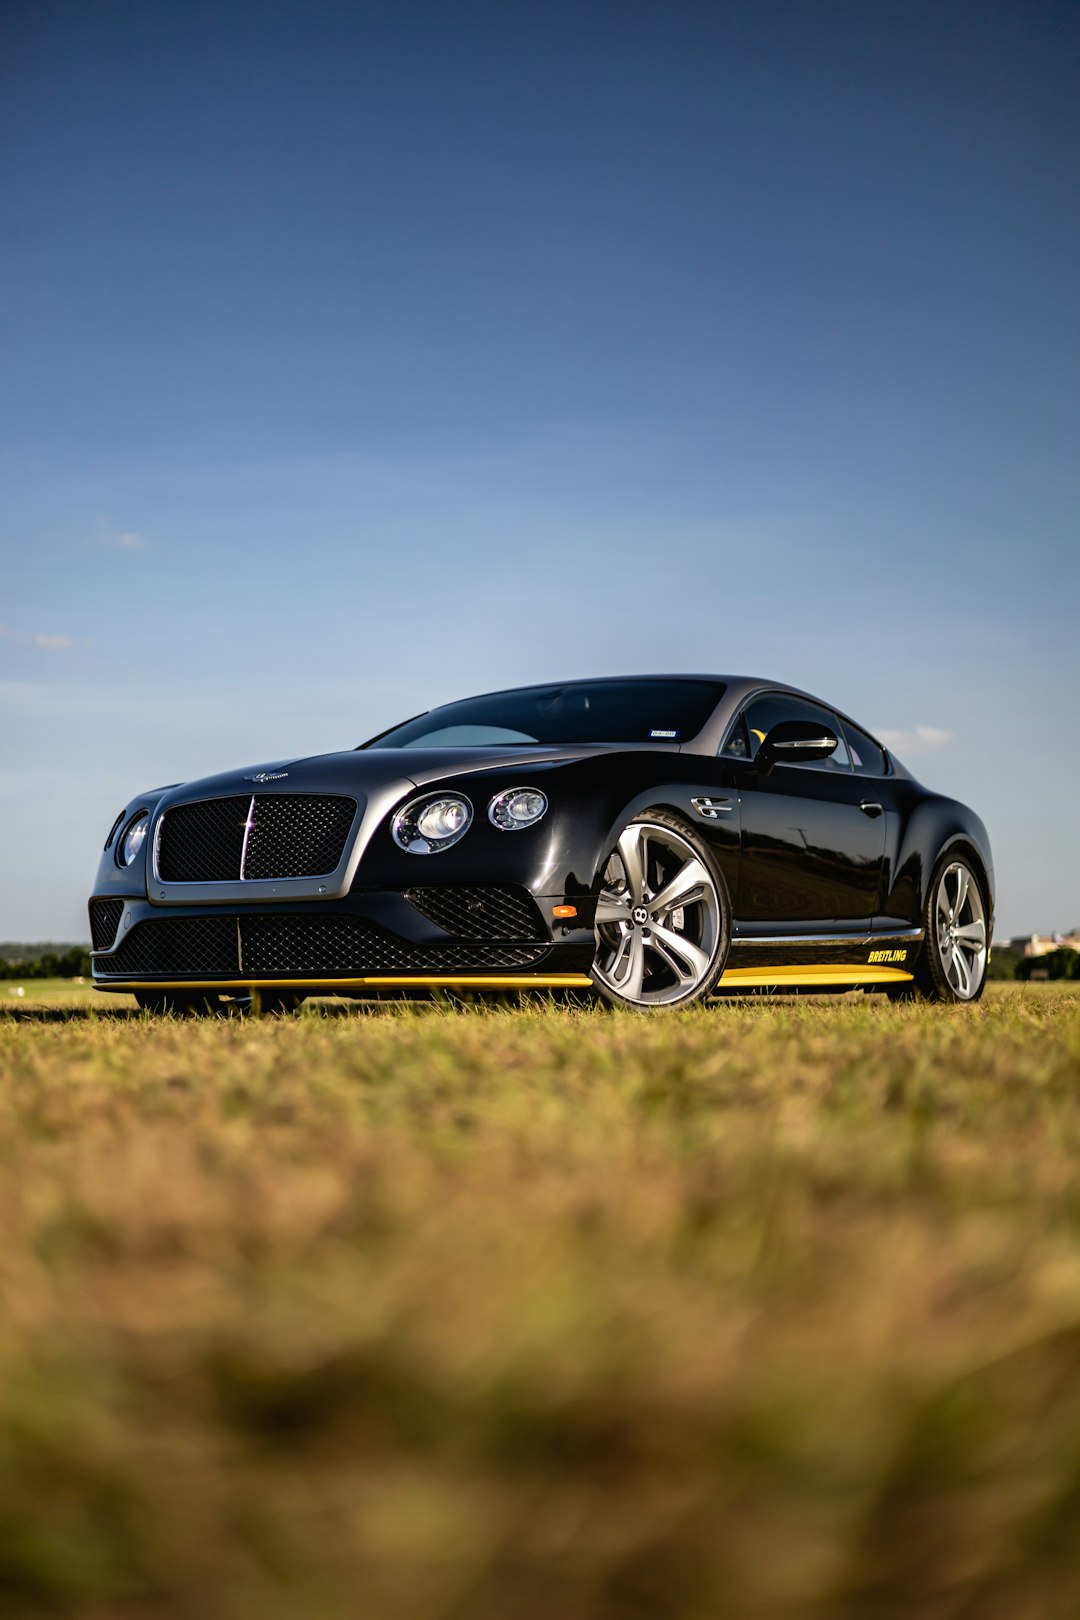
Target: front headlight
(133, 839)
(431, 824)
(517, 808)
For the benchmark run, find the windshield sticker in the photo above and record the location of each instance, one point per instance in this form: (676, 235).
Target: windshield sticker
(663, 733)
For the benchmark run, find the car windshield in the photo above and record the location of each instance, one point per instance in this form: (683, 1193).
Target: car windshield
(641, 711)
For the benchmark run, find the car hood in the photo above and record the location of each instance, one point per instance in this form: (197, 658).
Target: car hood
(367, 769)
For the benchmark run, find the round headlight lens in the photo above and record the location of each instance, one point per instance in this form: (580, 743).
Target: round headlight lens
(431, 824)
(517, 808)
(134, 838)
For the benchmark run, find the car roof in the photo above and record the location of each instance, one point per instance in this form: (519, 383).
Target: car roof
(737, 688)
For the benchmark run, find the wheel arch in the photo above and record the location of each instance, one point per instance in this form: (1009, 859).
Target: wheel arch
(935, 826)
(673, 799)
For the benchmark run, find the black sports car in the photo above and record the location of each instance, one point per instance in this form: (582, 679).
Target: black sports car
(655, 839)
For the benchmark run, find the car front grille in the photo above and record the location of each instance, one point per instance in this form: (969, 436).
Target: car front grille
(104, 921)
(264, 836)
(178, 947)
(481, 911)
(298, 943)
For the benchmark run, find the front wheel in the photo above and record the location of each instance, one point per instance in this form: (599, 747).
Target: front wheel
(952, 965)
(663, 920)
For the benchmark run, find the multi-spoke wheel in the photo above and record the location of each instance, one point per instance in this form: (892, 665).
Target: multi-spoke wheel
(952, 966)
(662, 920)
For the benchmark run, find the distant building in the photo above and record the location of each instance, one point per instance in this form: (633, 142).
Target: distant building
(1042, 944)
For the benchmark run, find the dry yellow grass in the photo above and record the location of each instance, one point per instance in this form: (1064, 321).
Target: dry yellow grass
(766, 1310)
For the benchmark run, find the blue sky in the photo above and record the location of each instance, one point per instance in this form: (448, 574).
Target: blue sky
(358, 358)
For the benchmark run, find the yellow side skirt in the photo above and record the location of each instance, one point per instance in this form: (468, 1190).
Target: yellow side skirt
(774, 977)
(733, 979)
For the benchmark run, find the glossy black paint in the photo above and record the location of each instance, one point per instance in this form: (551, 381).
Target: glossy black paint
(806, 850)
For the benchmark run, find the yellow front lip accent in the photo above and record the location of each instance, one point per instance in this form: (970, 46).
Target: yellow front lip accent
(733, 979)
(470, 981)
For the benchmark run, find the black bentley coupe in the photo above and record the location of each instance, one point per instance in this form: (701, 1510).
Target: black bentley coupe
(652, 839)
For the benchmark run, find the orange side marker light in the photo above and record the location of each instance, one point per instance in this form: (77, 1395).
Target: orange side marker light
(564, 911)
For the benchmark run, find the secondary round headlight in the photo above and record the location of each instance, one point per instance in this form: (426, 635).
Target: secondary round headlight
(133, 839)
(431, 824)
(517, 808)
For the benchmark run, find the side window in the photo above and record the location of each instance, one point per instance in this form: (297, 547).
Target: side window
(762, 713)
(866, 756)
(737, 746)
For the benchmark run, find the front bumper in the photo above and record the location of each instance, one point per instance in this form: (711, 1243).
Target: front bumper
(360, 943)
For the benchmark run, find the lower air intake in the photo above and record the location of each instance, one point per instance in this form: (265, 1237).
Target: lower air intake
(296, 944)
(104, 921)
(481, 911)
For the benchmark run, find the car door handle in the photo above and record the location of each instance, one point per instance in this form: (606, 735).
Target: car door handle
(870, 807)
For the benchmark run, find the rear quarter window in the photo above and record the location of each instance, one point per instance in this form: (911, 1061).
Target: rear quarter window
(868, 758)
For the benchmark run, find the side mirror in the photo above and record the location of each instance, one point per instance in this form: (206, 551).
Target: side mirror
(792, 742)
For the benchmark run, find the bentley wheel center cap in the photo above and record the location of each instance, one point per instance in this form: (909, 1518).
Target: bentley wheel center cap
(640, 915)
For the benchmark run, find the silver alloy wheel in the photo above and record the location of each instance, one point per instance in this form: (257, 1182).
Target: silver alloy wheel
(658, 919)
(960, 920)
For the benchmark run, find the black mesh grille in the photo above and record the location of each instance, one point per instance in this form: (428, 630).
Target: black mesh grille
(178, 947)
(202, 843)
(292, 835)
(104, 921)
(481, 911)
(312, 945)
(305, 944)
(297, 834)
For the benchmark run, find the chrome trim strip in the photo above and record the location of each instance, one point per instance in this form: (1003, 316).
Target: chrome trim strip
(247, 835)
(826, 939)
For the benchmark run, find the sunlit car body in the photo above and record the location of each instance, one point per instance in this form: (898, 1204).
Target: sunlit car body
(656, 839)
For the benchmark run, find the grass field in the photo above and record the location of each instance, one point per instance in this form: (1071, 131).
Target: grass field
(768, 1310)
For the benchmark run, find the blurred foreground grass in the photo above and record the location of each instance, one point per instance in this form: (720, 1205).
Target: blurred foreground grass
(766, 1310)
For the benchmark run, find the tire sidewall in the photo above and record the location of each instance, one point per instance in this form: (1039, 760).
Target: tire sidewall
(930, 975)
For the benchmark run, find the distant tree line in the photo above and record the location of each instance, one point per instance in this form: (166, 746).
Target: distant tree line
(44, 961)
(1064, 963)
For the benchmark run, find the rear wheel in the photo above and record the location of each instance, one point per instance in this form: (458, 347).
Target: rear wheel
(663, 920)
(952, 965)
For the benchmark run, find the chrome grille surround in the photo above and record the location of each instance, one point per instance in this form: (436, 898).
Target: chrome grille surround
(372, 808)
(245, 838)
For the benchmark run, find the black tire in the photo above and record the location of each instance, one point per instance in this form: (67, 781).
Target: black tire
(931, 979)
(712, 926)
(180, 1003)
(264, 1003)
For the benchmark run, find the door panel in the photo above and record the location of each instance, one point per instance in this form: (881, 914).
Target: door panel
(809, 854)
(810, 857)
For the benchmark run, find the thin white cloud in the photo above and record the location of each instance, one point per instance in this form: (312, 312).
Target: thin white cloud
(48, 641)
(120, 539)
(920, 740)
